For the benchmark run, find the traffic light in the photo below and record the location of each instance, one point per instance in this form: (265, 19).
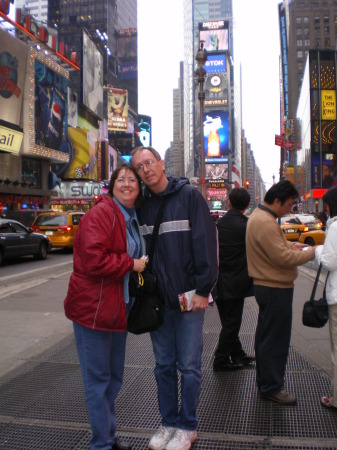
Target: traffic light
(246, 184)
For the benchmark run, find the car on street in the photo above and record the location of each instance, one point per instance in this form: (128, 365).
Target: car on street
(16, 240)
(312, 237)
(311, 221)
(292, 227)
(24, 216)
(59, 226)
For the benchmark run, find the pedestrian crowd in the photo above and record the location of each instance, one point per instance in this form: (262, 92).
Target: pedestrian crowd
(198, 261)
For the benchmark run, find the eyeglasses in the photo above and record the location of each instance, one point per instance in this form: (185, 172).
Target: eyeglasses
(124, 180)
(148, 164)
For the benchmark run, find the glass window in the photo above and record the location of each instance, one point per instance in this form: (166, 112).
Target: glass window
(299, 31)
(31, 172)
(316, 20)
(326, 19)
(298, 20)
(306, 31)
(299, 42)
(307, 42)
(300, 54)
(306, 19)
(326, 30)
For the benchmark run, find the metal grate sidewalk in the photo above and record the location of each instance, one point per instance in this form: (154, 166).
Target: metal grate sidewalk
(42, 405)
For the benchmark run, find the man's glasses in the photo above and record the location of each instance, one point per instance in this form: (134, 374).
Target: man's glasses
(148, 164)
(124, 180)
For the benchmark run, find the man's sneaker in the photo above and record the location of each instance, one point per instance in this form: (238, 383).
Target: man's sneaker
(182, 440)
(326, 401)
(161, 438)
(281, 397)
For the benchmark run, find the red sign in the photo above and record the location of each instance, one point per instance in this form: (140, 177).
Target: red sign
(279, 140)
(202, 180)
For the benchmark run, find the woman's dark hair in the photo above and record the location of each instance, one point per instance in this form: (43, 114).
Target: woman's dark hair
(239, 198)
(115, 175)
(330, 198)
(282, 190)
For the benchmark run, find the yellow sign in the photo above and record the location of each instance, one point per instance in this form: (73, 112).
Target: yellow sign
(328, 102)
(10, 140)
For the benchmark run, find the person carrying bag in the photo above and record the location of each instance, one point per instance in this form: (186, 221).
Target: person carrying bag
(315, 312)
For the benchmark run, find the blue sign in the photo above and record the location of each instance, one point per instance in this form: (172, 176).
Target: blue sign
(215, 64)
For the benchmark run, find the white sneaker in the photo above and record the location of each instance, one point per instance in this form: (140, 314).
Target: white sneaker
(161, 438)
(182, 440)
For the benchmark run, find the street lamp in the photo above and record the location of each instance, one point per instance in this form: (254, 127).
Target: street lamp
(201, 58)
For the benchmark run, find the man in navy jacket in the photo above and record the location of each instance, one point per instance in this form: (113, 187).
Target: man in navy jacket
(185, 259)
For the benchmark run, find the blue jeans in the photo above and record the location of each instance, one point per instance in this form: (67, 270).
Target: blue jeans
(177, 345)
(101, 355)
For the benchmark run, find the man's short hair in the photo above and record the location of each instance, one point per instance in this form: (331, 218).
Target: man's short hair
(330, 198)
(151, 149)
(239, 198)
(282, 191)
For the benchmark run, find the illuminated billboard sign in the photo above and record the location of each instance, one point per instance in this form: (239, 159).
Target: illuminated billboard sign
(13, 62)
(143, 131)
(214, 36)
(10, 140)
(216, 136)
(215, 63)
(127, 44)
(51, 91)
(284, 55)
(117, 109)
(127, 71)
(216, 171)
(328, 104)
(92, 76)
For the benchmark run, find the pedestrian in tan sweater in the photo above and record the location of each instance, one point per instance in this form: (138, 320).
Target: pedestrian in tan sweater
(272, 263)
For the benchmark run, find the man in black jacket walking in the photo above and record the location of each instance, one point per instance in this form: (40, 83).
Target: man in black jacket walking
(233, 284)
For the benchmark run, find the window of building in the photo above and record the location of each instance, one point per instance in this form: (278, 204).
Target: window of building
(300, 67)
(300, 54)
(299, 31)
(306, 19)
(307, 42)
(298, 20)
(318, 42)
(326, 30)
(316, 20)
(31, 172)
(327, 42)
(326, 19)
(299, 42)
(306, 31)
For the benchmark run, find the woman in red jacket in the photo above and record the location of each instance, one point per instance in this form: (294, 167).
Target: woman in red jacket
(107, 247)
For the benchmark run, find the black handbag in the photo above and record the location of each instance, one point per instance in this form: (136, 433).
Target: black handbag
(146, 313)
(315, 312)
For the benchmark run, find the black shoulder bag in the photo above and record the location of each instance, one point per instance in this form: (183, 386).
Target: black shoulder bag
(315, 312)
(146, 313)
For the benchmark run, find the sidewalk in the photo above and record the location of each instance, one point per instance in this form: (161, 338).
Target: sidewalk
(42, 405)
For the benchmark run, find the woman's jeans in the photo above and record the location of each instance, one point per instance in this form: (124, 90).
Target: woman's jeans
(177, 345)
(101, 355)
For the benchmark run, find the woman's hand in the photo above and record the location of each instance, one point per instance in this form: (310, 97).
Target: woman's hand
(139, 265)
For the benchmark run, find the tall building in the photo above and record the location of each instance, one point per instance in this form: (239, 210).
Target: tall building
(37, 8)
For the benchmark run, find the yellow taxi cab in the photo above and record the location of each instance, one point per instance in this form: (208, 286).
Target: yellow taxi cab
(59, 226)
(312, 237)
(292, 227)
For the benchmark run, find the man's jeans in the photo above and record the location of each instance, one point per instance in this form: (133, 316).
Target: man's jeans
(101, 355)
(177, 344)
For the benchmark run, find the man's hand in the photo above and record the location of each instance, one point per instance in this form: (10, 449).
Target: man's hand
(198, 303)
(298, 246)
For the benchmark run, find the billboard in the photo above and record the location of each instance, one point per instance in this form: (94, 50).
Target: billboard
(117, 109)
(127, 71)
(216, 171)
(215, 63)
(92, 76)
(51, 92)
(216, 136)
(127, 44)
(13, 62)
(143, 131)
(72, 108)
(214, 36)
(328, 104)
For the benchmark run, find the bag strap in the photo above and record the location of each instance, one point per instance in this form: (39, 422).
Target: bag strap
(312, 297)
(155, 233)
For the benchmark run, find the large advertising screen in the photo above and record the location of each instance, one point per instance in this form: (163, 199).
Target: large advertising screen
(117, 109)
(215, 63)
(214, 36)
(92, 76)
(51, 91)
(216, 171)
(127, 44)
(143, 131)
(13, 62)
(216, 136)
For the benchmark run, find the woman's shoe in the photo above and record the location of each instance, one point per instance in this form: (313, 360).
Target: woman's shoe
(326, 401)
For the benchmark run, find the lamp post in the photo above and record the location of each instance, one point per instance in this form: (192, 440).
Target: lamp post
(200, 73)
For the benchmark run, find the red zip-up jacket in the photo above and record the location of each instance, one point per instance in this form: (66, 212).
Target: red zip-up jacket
(95, 292)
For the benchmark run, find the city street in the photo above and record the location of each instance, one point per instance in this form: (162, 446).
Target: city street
(41, 397)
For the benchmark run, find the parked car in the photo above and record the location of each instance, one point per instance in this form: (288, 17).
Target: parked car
(312, 237)
(292, 227)
(24, 216)
(311, 221)
(60, 227)
(16, 240)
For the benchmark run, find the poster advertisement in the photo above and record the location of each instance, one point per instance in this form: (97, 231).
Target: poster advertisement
(50, 107)
(92, 76)
(216, 136)
(117, 109)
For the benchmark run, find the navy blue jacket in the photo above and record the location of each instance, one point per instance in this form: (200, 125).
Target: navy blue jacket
(186, 252)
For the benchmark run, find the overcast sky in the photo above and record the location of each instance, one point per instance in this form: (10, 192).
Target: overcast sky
(256, 47)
